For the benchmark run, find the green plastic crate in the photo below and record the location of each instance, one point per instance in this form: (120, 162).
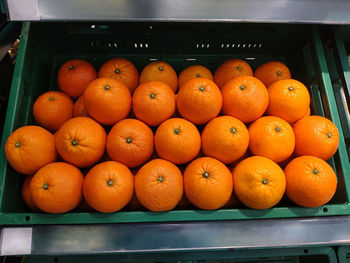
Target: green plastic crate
(337, 50)
(281, 255)
(45, 46)
(344, 254)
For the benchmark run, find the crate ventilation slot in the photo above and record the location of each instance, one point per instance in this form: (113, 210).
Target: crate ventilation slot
(140, 45)
(100, 44)
(240, 45)
(203, 45)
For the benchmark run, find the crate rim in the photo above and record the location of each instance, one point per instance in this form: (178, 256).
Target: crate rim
(175, 215)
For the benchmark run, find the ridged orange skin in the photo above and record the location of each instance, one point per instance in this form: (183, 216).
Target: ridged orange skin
(79, 109)
(231, 69)
(289, 99)
(52, 109)
(311, 182)
(225, 138)
(26, 194)
(107, 100)
(81, 141)
(194, 71)
(74, 76)
(161, 71)
(29, 148)
(130, 142)
(177, 140)
(271, 137)
(316, 136)
(245, 98)
(199, 100)
(108, 186)
(258, 182)
(57, 188)
(153, 102)
(159, 185)
(208, 183)
(272, 71)
(120, 69)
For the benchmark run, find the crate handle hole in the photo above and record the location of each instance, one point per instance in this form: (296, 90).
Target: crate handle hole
(27, 218)
(325, 209)
(55, 259)
(306, 251)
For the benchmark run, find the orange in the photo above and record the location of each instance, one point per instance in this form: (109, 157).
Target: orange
(121, 69)
(207, 183)
(159, 185)
(26, 194)
(74, 76)
(272, 138)
(308, 113)
(199, 100)
(29, 148)
(311, 182)
(107, 100)
(177, 140)
(153, 102)
(57, 188)
(245, 98)
(79, 109)
(258, 182)
(230, 69)
(108, 187)
(225, 138)
(194, 71)
(159, 70)
(130, 142)
(52, 109)
(289, 99)
(271, 72)
(316, 136)
(81, 141)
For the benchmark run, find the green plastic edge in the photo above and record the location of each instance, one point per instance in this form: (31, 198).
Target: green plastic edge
(342, 57)
(208, 256)
(176, 215)
(171, 216)
(12, 103)
(328, 88)
(343, 251)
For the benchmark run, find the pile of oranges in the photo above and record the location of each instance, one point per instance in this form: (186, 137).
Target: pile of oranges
(158, 140)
